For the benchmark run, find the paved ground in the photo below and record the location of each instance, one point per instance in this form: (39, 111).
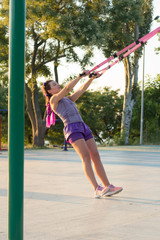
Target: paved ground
(59, 203)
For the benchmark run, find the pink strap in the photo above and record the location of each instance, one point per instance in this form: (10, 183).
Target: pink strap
(134, 46)
(50, 118)
(120, 59)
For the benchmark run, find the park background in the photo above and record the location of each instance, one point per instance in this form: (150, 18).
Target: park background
(108, 91)
(114, 77)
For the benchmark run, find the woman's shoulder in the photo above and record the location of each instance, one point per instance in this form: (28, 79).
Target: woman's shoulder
(68, 99)
(54, 103)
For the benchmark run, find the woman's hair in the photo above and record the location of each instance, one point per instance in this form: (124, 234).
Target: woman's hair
(45, 88)
(50, 118)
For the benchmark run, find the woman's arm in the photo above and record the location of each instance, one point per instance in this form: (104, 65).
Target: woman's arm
(57, 97)
(83, 88)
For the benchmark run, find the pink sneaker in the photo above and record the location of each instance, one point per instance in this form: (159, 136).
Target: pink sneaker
(101, 191)
(113, 190)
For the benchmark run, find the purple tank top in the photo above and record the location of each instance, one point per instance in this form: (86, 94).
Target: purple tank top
(67, 111)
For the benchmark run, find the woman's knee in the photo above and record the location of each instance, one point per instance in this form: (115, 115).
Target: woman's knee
(86, 157)
(95, 156)
(93, 149)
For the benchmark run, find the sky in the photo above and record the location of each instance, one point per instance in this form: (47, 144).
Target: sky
(114, 77)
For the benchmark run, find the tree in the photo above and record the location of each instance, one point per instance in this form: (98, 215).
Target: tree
(151, 117)
(54, 29)
(129, 20)
(101, 110)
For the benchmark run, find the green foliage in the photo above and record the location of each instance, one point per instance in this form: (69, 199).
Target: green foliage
(3, 97)
(102, 112)
(4, 114)
(128, 21)
(157, 50)
(151, 113)
(58, 27)
(55, 134)
(119, 139)
(125, 16)
(3, 55)
(54, 30)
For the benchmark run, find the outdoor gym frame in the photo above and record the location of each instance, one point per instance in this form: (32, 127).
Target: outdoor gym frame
(16, 118)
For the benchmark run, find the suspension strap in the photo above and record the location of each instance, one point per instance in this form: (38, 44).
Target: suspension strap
(130, 48)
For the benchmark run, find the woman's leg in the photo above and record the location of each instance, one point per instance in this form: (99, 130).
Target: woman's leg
(81, 148)
(99, 169)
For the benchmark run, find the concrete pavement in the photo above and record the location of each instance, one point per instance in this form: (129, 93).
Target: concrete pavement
(59, 203)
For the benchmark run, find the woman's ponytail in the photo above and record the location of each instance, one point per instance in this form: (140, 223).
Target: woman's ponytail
(50, 118)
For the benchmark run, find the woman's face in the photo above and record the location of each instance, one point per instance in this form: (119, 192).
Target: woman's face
(54, 88)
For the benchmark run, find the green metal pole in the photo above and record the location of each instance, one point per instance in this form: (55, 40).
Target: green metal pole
(16, 119)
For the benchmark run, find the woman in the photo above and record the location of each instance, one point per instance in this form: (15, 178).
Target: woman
(76, 132)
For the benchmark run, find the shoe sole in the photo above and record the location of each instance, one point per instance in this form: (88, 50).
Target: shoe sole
(99, 196)
(107, 190)
(110, 194)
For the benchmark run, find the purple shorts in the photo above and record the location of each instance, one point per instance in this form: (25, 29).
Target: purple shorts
(77, 130)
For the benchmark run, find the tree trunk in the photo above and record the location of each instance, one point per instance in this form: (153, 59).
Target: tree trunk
(56, 72)
(33, 110)
(126, 117)
(131, 80)
(38, 136)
